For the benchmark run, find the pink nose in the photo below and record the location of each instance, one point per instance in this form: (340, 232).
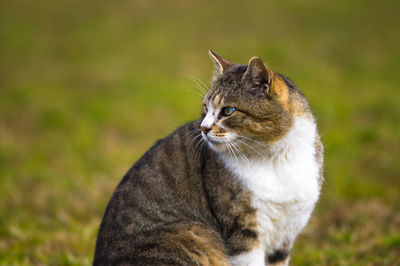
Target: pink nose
(205, 129)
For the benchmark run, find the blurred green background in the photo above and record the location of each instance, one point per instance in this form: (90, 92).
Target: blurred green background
(86, 87)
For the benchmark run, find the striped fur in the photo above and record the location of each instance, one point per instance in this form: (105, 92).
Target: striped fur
(228, 189)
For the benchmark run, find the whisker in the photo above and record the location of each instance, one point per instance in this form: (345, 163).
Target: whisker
(198, 143)
(203, 91)
(257, 142)
(229, 150)
(195, 143)
(196, 138)
(246, 161)
(240, 152)
(198, 148)
(202, 82)
(202, 147)
(194, 131)
(196, 92)
(262, 156)
(233, 154)
(199, 85)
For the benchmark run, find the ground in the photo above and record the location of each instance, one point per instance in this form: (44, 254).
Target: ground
(86, 88)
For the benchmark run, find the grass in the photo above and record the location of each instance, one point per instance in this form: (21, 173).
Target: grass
(86, 88)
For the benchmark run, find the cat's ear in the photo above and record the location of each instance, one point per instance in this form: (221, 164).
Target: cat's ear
(221, 64)
(259, 74)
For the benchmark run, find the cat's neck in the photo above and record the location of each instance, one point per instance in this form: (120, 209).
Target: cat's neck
(286, 167)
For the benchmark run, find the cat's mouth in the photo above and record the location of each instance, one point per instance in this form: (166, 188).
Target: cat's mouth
(211, 139)
(215, 142)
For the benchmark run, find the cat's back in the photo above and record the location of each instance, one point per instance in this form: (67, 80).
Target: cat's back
(164, 187)
(169, 160)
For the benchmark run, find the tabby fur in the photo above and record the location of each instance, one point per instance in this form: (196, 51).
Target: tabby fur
(225, 189)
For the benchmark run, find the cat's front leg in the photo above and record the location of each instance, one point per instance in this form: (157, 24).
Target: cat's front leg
(254, 257)
(257, 257)
(281, 263)
(279, 257)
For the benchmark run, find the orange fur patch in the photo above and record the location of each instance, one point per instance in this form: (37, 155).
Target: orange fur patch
(206, 248)
(292, 102)
(280, 88)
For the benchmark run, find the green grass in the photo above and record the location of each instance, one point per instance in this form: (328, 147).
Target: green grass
(86, 88)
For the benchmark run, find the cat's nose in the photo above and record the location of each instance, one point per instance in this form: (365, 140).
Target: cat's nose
(205, 129)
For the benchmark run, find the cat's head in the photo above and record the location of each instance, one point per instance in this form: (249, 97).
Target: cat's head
(248, 107)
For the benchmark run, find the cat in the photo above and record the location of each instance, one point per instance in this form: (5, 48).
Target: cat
(232, 188)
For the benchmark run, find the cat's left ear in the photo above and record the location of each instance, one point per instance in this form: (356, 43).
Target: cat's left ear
(221, 64)
(259, 74)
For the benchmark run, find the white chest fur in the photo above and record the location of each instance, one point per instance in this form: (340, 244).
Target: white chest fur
(284, 186)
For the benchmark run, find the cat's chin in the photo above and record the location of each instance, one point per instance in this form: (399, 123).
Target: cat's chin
(219, 147)
(215, 143)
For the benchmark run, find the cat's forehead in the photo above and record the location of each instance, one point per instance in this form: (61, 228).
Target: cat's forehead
(232, 76)
(223, 95)
(226, 88)
(216, 100)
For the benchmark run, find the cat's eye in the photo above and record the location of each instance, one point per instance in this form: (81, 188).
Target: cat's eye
(227, 111)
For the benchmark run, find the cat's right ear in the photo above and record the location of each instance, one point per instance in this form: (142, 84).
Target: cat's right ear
(258, 72)
(220, 63)
(259, 75)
